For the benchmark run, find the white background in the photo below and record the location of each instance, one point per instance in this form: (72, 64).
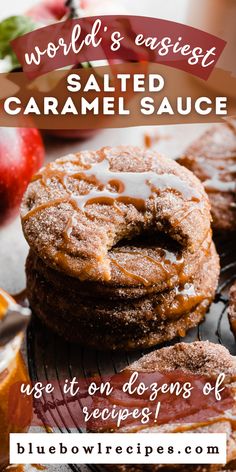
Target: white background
(149, 447)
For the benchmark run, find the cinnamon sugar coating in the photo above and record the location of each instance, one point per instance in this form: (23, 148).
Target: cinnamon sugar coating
(212, 158)
(120, 324)
(166, 264)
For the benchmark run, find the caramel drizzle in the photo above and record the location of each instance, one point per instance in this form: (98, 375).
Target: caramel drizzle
(198, 206)
(3, 305)
(168, 257)
(187, 290)
(185, 299)
(68, 229)
(34, 211)
(52, 172)
(6, 301)
(131, 187)
(132, 275)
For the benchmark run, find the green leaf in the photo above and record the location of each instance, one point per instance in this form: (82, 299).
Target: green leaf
(11, 28)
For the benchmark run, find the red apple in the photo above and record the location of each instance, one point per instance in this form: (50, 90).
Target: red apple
(48, 10)
(21, 155)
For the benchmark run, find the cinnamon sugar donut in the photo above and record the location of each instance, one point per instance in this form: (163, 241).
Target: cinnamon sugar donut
(80, 207)
(212, 159)
(125, 324)
(121, 248)
(201, 359)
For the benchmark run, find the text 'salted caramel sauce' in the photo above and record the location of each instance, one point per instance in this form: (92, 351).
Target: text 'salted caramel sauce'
(14, 417)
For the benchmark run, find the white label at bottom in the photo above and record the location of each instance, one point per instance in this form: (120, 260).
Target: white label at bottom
(118, 448)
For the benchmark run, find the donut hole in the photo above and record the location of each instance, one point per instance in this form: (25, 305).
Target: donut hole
(149, 240)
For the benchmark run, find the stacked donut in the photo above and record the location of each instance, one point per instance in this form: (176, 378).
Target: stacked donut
(121, 254)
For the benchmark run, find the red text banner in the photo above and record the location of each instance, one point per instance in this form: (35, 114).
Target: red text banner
(123, 38)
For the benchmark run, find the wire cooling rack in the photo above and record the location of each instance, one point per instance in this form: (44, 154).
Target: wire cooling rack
(50, 357)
